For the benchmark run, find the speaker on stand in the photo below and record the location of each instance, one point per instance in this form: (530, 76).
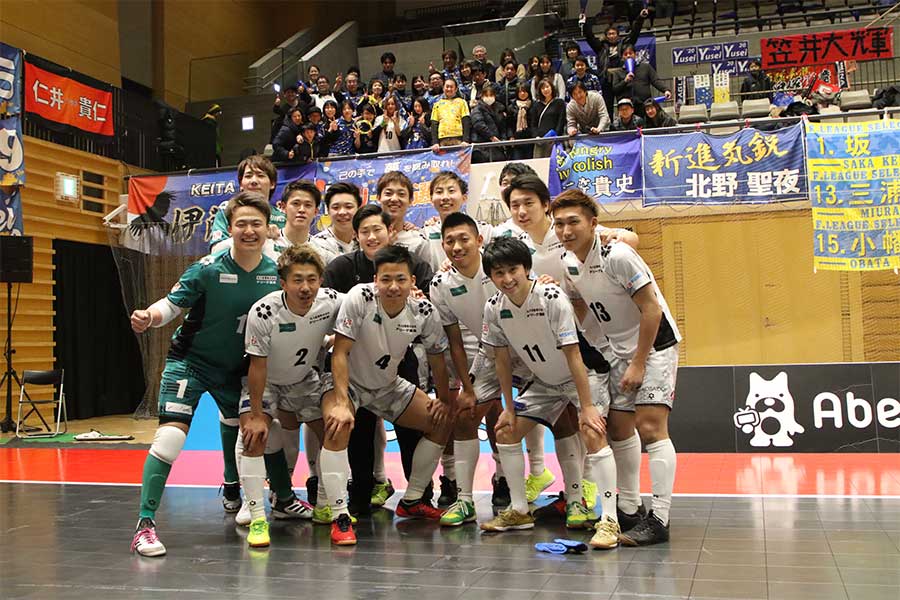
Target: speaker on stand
(16, 266)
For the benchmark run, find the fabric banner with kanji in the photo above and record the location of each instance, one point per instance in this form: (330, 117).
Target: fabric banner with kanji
(608, 168)
(66, 99)
(827, 47)
(10, 80)
(854, 189)
(749, 166)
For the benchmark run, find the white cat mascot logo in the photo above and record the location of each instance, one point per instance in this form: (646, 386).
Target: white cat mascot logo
(769, 413)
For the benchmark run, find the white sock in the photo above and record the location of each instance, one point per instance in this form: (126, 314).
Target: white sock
(379, 449)
(466, 452)
(662, 477)
(534, 444)
(498, 466)
(569, 453)
(239, 452)
(514, 467)
(311, 447)
(601, 470)
(253, 477)
(335, 472)
(448, 464)
(322, 494)
(628, 472)
(424, 463)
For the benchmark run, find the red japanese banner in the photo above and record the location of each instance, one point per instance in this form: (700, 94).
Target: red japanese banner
(827, 47)
(63, 100)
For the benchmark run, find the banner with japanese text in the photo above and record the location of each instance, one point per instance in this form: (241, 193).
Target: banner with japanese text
(419, 167)
(854, 189)
(827, 47)
(12, 153)
(750, 166)
(10, 80)
(66, 99)
(166, 212)
(793, 81)
(11, 210)
(644, 49)
(608, 168)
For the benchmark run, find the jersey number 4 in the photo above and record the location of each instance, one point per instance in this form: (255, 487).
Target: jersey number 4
(383, 362)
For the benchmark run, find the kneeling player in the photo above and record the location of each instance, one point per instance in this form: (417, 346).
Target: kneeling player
(616, 285)
(537, 322)
(284, 340)
(378, 321)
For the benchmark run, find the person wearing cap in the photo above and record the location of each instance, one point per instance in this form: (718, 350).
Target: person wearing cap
(306, 150)
(655, 116)
(637, 85)
(627, 120)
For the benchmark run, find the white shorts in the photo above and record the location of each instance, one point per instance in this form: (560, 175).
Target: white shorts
(483, 374)
(302, 398)
(545, 403)
(388, 402)
(659, 381)
(470, 345)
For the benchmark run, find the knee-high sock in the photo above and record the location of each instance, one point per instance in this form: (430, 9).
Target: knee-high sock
(448, 464)
(628, 472)
(276, 464)
(229, 434)
(662, 476)
(514, 466)
(425, 461)
(167, 444)
(534, 443)
(570, 454)
(466, 452)
(379, 449)
(239, 451)
(601, 470)
(253, 476)
(335, 470)
(290, 442)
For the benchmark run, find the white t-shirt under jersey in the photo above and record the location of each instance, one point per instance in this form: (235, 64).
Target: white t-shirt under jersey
(380, 341)
(290, 343)
(606, 281)
(535, 332)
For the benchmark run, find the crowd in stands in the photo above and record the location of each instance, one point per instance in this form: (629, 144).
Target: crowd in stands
(472, 100)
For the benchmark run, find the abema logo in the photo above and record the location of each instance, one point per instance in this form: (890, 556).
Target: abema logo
(769, 413)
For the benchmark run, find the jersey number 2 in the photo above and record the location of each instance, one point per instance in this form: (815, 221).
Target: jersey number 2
(301, 357)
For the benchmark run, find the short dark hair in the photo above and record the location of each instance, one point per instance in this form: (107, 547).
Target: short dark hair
(251, 199)
(299, 254)
(394, 177)
(571, 45)
(755, 62)
(302, 185)
(581, 58)
(296, 109)
(393, 255)
(515, 169)
(628, 47)
(476, 67)
(347, 103)
(459, 219)
(579, 85)
(528, 183)
(260, 162)
(388, 56)
(575, 198)
(449, 54)
(505, 252)
(370, 210)
(452, 175)
(308, 127)
(342, 187)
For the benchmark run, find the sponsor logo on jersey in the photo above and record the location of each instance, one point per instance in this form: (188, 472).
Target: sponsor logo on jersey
(567, 334)
(267, 279)
(573, 270)
(633, 280)
(347, 323)
(287, 327)
(458, 291)
(534, 312)
(178, 408)
(434, 235)
(228, 278)
(322, 316)
(506, 314)
(407, 328)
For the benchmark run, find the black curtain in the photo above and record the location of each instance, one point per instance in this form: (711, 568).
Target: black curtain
(94, 341)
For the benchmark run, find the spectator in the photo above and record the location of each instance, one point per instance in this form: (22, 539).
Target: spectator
(583, 76)
(451, 70)
(518, 123)
(325, 117)
(288, 136)
(479, 57)
(353, 92)
(488, 125)
(534, 65)
(324, 93)
(306, 150)
(365, 137)
(479, 80)
(586, 111)
(465, 82)
(388, 60)
(450, 120)
(417, 133)
(547, 114)
(609, 50)
(419, 86)
(284, 102)
(505, 56)
(757, 84)
(398, 89)
(545, 71)
(567, 66)
(637, 86)
(376, 96)
(389, 126)
(435, 88)
(312, 76)
(506, 89)
(655, 116)
(341, 132)
(627, 120)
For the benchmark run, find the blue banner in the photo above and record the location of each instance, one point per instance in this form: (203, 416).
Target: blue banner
(750, 166)
(12, 153)
(645, 52)
(11, 211)
(10, 80)
(608, 168)
(420, 168)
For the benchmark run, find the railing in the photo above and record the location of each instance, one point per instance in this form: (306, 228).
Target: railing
(286, 72)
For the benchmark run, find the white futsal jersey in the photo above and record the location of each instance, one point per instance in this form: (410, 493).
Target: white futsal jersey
(607, 280)
(332, 243)
(436, 254)
(321, 248)
(380, 341)
(546, 257)
(459, 299)
(535, 331)
(413, 241)
(290, 343)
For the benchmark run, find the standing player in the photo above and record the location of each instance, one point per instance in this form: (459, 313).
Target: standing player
(376, 324)
(537, 323)
(255, 174)
(395, 194)
(449, 193)
(617, 286)
(207, 349)
(342, 200)
(284, 340)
